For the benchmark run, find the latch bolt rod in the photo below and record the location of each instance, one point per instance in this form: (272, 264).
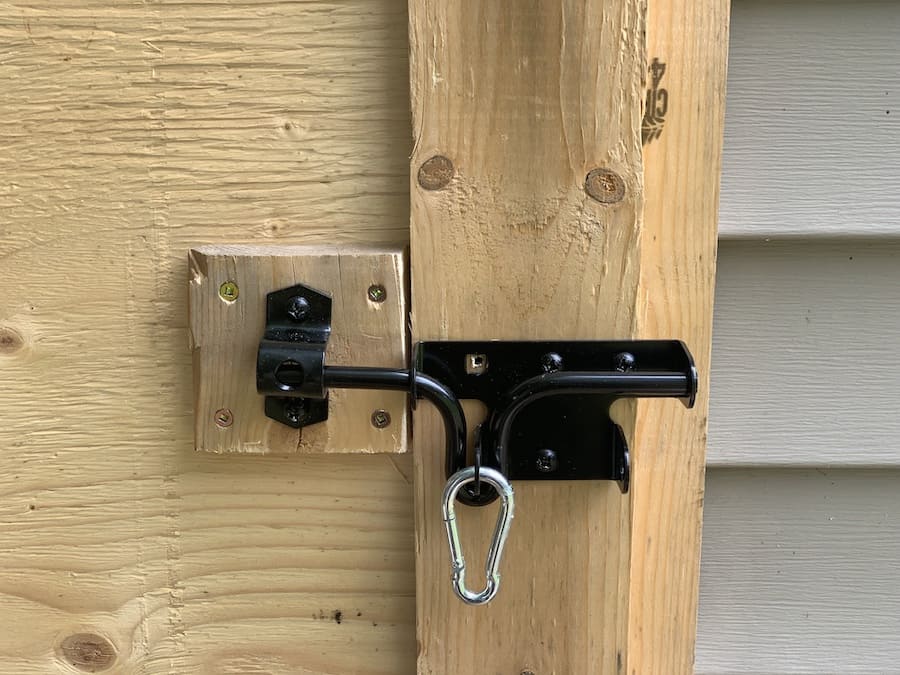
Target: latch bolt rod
(418, 385)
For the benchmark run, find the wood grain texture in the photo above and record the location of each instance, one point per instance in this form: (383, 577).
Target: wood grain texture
(132, 132)
(135, 131)
(508, 245)
(812, 141)
(225, 337)
(681, 184)
(800, 573)
(806, 367)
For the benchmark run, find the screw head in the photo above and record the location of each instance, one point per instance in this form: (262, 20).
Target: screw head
(294, 411)
(381, 419)
(224, 418)
(624, 362)
(551, 362)
(229, 291)
(377, 293)
(546, 461)
(298, 308)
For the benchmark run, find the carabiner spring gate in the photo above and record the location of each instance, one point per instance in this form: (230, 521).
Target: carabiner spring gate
(492, 576)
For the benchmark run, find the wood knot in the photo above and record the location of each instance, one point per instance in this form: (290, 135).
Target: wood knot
(11, 340)
(604, 185)
(88, 652)
(436, 173)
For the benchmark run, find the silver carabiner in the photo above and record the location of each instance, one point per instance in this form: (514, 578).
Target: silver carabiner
(499, 482)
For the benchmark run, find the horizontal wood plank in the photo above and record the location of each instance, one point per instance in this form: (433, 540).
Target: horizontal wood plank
(133, 132)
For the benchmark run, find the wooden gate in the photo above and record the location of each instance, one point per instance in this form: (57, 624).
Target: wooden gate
(135, 132)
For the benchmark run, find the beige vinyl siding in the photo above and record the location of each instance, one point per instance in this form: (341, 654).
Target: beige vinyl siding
(801, 539)
(812, 133)
(800, 573)
(806, 355)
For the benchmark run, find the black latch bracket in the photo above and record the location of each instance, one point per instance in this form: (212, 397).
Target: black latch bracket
(549, 402)
(290, 364)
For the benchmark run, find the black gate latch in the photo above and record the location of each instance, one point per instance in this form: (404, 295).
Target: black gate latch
(549, 401)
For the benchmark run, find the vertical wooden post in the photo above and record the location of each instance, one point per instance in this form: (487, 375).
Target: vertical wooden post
(526, 212)
(527, 198)
(682, 129)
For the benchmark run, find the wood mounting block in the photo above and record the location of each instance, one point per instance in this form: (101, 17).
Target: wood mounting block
(228, 288)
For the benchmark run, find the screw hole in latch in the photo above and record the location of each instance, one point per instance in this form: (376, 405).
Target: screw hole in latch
(476, 364)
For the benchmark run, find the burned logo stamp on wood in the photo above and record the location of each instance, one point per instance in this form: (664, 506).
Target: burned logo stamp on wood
(657, 104)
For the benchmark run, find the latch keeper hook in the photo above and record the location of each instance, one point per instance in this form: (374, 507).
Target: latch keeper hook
(492, 576)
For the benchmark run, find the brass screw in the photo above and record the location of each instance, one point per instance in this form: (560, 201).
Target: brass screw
(377, 293)
(224, 418)
(229, 291)
(381, 419)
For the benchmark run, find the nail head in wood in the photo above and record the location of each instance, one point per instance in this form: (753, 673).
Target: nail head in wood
(436, 173)
(605, 186)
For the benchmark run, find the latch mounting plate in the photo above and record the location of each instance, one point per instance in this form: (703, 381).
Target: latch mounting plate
(568, 435)
(292, 351)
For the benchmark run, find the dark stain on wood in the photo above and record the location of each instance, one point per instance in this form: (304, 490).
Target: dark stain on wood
(11, 340)
(337, 615)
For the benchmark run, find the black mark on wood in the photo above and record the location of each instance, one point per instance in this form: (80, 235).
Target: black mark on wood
(657, 104)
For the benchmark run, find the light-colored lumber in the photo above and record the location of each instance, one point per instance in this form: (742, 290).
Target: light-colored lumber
(681, 187)
(229, 415)
(506, 244)
(131, 133)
